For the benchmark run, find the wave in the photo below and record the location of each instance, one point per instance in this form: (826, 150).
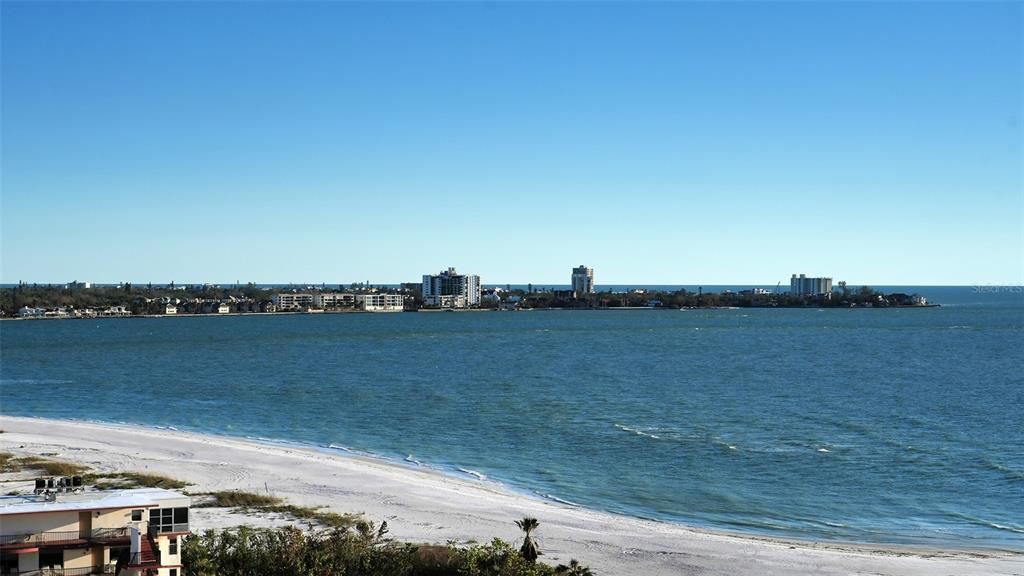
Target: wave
(409, 458)
(1010, 473)
(637, 431)
(339, 447)
(1016, 529)
(561, 500)
(472, 473)
(990, 524)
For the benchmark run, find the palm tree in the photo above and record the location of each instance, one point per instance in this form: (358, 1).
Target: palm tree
(573, 569)
(530, 550)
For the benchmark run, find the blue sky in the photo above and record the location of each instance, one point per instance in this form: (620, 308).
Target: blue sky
(660, 143)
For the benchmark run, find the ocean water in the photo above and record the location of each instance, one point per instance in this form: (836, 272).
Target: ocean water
(869, 425)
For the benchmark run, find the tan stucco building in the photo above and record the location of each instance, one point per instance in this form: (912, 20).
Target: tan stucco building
(131, 532)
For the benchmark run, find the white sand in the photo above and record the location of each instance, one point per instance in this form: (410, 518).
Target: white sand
(427, 506)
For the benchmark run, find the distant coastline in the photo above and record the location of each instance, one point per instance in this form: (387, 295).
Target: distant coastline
(81, 300)
(462, 310)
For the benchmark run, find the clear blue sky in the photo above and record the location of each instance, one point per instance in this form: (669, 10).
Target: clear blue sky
(660, 143)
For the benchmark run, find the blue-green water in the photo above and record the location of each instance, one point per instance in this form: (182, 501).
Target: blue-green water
(868, 425)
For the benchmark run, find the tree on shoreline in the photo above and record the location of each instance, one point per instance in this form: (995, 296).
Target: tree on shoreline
(530, 550)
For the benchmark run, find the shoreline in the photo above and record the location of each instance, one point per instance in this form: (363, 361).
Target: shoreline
(429, 505)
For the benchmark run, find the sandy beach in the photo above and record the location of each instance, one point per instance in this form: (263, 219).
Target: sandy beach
(423, 505)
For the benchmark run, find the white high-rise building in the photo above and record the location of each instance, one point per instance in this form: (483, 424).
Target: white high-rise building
(450, 289)
(804, 286)
(582, 280)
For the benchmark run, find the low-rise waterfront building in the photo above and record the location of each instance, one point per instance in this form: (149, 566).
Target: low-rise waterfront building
(333, 300)
(31, 312)
(131, 532)
(292, 301)
(170, 309)
(381, 302)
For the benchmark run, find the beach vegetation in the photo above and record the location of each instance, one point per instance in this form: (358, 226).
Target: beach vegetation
(530, 549)
(289, 551)
(363, 549)
(12, 463)
(252, 502)
(573, 568)
(127, 480)
(102, 481)
(239, 499)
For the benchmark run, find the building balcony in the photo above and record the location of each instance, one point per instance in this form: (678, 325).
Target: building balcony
(66, 539)
(62, 571)
(12, 541)
(110, 535)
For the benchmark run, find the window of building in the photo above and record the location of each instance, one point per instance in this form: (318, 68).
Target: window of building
(168, 519)
(51, 558)
(172, 547)
(174, 572)
(8, 563)
(118, 552)
(136, 515)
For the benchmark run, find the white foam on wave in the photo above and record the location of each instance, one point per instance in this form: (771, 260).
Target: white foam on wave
(824, 450)
(1004, 527)
(562, 500)
(339, 447)
(637, 432)
(409, 458)
(473, 473)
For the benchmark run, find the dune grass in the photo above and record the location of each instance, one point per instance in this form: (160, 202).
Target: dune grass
(125, 480)
(265, 503)
(11, 463)
(105, 481)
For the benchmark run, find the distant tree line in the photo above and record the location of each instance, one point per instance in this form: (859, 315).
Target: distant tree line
(844, 297)
(130, 295)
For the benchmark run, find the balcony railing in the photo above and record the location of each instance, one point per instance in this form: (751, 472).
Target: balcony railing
(39, 538)
(110, 533)
(61, 571)
(53, 538)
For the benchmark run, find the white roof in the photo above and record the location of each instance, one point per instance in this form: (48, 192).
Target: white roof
(93, 500)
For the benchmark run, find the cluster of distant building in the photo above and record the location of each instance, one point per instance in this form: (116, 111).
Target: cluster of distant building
(69, 312)
(447, 290)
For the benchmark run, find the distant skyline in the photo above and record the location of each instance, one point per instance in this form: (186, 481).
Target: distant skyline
(658, 143)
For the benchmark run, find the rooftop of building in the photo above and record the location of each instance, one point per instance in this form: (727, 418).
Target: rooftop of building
(92, 500)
